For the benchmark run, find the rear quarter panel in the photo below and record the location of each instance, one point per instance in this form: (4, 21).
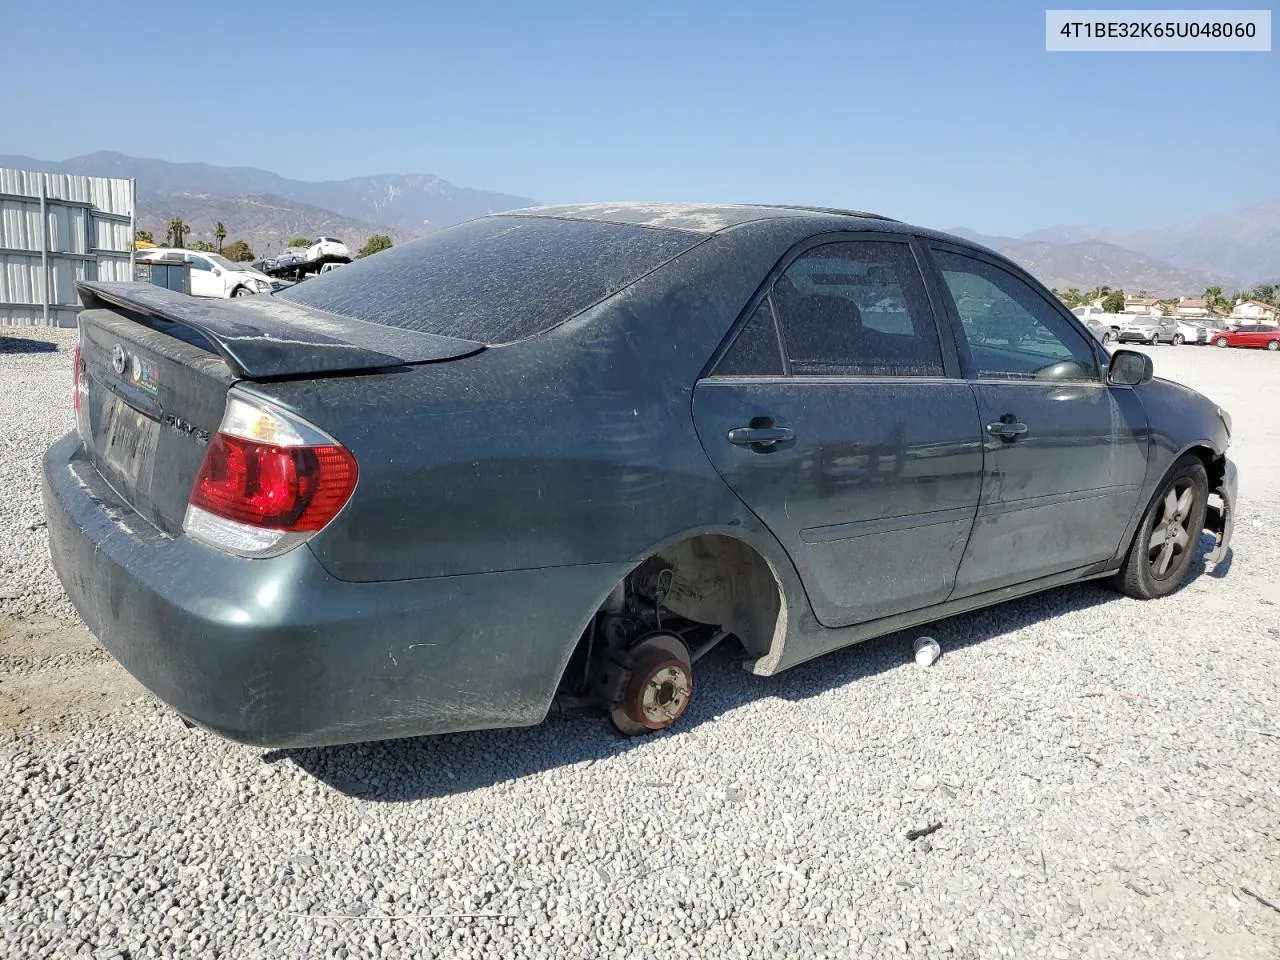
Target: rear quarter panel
(573, 447)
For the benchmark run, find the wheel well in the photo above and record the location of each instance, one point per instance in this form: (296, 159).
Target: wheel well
(1214, 465)
(721, 581)
(710, 580)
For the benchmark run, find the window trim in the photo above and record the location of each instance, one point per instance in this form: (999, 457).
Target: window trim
(967, 363)
(952, 368)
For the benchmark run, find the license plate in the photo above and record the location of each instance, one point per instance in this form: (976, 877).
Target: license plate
(129, 441)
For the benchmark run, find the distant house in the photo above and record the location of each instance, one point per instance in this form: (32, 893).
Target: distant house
(1192, 308)
(1255, 311)
(1144, 306)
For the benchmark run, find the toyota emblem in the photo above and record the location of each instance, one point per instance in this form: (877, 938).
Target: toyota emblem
(118, 359)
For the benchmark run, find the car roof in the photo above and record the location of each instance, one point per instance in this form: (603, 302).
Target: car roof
(705, 218)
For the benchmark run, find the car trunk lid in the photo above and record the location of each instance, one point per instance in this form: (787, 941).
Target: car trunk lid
(263, 337)
(154, 368)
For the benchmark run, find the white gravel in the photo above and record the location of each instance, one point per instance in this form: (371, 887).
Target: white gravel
(35, 410)
(1103, 775)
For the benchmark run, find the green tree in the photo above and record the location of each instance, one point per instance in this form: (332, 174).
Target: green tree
(177, 232)
(1113, 302)
(1265, 292)
(143, 235)
(300, 242)
(1073, 296)
(219, 234)
(1142, 294)
(237, 251)
(204, 246)
(1213, 296)
(379, 241)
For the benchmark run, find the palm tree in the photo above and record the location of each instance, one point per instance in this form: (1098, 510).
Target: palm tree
(1212, 296)
(219, 234)
(177, 232)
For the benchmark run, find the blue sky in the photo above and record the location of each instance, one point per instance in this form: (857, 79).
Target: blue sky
(941, 113)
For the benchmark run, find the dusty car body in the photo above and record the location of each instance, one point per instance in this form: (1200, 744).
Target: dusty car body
(554, 456)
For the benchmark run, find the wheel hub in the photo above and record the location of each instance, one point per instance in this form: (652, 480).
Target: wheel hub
(655, 686)
(659, 693)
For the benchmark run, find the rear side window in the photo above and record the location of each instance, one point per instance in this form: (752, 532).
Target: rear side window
(755, 352)
(857, 308)
(493, 280)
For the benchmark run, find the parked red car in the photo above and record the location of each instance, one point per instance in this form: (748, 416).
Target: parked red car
(1249, 335)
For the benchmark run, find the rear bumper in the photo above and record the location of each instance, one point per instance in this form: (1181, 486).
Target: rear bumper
(278, 653)
(1219, 520)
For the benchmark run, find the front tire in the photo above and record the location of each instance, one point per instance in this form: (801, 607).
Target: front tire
(241, 292)
(1221, 342)
(1179, 339)
(1160, 555)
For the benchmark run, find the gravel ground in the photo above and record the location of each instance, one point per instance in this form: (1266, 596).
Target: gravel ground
(35, 370)
(1100, 776)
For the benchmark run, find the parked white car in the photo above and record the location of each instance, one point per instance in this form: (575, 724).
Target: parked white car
(213, 275)
(327, 247)
(1096, 315)
(1188, 332)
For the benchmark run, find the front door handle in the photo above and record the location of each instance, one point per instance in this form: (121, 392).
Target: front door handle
(760, 437)
(1007, 429)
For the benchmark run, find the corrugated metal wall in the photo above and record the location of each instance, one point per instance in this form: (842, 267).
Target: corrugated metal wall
(86, 233)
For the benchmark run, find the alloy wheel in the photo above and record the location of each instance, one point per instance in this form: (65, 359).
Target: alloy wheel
(1170, 539)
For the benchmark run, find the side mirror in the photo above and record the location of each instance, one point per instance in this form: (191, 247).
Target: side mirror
(1130, 368)
(217, 272)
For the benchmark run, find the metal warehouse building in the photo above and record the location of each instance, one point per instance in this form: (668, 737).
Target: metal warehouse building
(55, 229)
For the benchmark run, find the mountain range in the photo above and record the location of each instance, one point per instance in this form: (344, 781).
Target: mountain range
(413, 202)
(1234, 250)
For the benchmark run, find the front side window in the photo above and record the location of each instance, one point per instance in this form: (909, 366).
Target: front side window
(199, 263)
(1012, 331)
(857, 308)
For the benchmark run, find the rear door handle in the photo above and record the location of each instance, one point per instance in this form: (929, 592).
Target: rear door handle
(1006, 430)
(766, 437)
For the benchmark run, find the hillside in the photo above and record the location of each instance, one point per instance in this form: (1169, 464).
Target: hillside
(1243, 244)
(1092, 263)
(412, 203)
(265, 221)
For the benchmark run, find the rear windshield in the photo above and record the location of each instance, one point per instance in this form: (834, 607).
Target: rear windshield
(493, 280)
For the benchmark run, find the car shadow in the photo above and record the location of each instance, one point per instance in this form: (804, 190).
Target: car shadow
(1199, 564)
(420, 768)
(12, 344)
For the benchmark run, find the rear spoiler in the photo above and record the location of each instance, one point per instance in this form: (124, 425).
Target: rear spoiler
(262, 336)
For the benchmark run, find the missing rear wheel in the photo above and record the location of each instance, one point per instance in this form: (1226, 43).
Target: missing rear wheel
(654, 687)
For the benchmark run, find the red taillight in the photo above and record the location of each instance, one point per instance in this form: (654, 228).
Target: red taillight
(295, 489)
(268, 482)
